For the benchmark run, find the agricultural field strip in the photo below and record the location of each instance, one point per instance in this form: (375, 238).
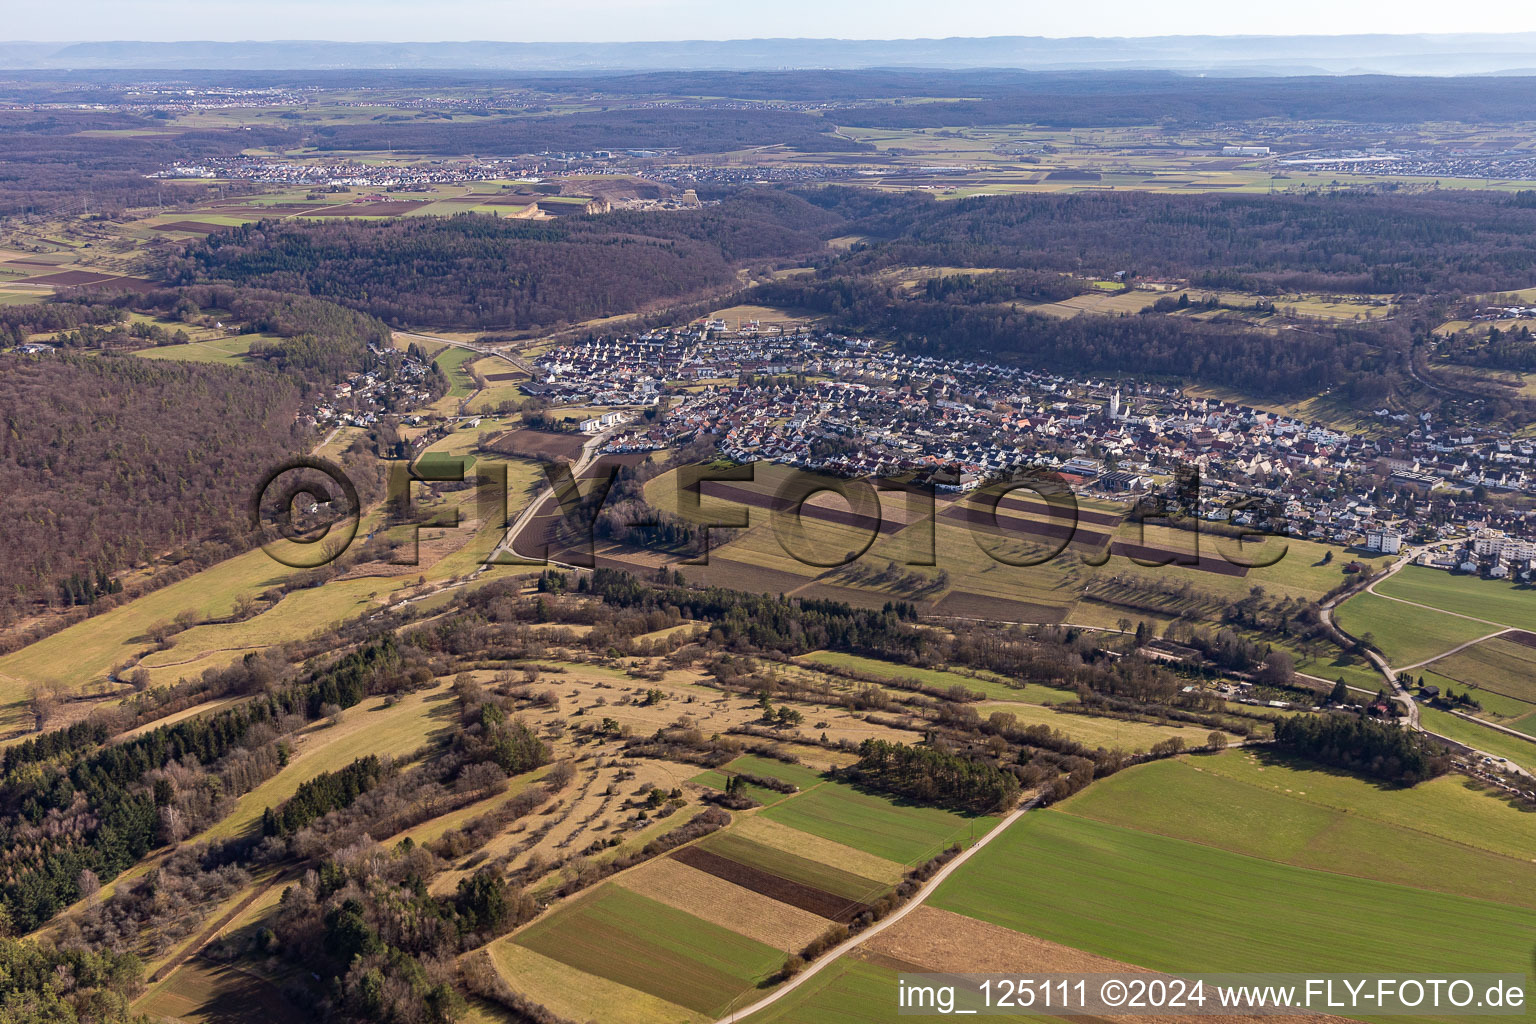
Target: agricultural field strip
(1493, 664)
(580, 995)
(1289, 829)
(1126, 894)
(927, 889)
(722, 902)
(638, 942)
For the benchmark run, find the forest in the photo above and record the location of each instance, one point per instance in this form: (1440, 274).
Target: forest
(473, 270)
(1442, 243)
(1377, 749)
(49, 167)
(930, 775)
(1365, 362)
(110, 461)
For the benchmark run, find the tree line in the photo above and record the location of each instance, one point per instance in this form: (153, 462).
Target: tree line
(934, 776)
(1364, 745)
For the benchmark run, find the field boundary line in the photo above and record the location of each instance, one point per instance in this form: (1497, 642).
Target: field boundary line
(927, 889)
(1455, 650)
(1371, 589)
(1494, 725)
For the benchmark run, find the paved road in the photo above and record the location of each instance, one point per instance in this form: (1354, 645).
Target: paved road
(530, 512)
(1400, 692)
(1390, 674)
(820, 964)
(517, 361)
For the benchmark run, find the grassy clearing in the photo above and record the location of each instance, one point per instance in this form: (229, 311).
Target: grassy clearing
(453, 362)
(1405, 634)
(1508, 604)
(298, 615)
(230, 351)
(1280, 822)
(368, 728)
(1173, 905)
(638, 942)
(875, 824)
(85, 651)
(1094, 731)
(1031, 693)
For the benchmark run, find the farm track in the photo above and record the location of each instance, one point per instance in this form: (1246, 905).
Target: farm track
(1454, 650)
(208, 934)
(928, 888)
(1390, 674)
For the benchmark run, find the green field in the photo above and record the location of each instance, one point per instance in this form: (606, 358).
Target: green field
(1243, 810)
(797, 775)
(452, 362)
(1169, 904)
(368, 728)
(1494, 704)
(1480, 737)
(86, 651)
(997, 689)
(875, 824)
(1499, 665)
(1508, 604)
(625, 937)
(230, 350)
(848, 991)
(1405, 634)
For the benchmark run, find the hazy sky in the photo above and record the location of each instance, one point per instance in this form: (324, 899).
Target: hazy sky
(609, 20)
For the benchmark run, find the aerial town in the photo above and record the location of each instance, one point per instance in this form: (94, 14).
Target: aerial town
(852, 407)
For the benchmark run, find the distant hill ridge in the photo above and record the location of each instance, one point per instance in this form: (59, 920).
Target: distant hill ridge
(1482, 53)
